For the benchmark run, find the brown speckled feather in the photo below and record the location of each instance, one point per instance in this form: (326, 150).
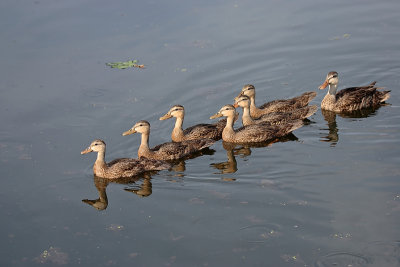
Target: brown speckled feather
(261, 133)
(284, 105)
(278, 118)
(201, 131)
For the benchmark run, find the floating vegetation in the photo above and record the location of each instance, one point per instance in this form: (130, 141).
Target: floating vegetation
(125, 64)
(344, 36)
(115, 227)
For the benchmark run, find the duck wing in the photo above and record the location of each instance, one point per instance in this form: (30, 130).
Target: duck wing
(261, 132)
(355, 98)
(126, 167)
(284, 105)
(277, 118)
(176, 150)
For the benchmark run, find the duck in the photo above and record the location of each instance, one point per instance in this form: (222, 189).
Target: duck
(165, 151)
(273, 118)
(280, 105)
(353, 98)
(122, 167)
(198, 131)
(254, 133)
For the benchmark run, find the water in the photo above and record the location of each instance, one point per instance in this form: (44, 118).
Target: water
(327, 196)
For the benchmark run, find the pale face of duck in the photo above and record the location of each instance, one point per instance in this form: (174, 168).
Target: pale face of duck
(225, 111)
(248, 90)
(242, 101)
(176, 111)
(142, 127)
(96, 146)
(331, 79)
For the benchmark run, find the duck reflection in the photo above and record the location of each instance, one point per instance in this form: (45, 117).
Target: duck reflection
(330, 118)
(100, 203)
(141, 189)
(229, 166)
(179, 166)
(243, 150)
(144, 189)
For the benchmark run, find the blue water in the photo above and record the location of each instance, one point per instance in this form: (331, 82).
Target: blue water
(327, 196)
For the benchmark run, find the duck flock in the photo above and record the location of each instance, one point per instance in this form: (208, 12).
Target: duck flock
(265, 123)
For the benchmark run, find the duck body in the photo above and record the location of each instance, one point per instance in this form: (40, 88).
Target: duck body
(280, 105)
(252, 133)
(122, 167)
(351, 99)
(198, 131)
(273, 118)
(169, 150)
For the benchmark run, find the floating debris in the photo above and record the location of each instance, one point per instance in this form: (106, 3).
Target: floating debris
(125, 65)
(342, 235)
(52, 255)
(292, 258)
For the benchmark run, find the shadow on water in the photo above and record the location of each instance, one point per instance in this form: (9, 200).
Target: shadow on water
(330, 118)
(179, 165)
(139, 185)
(243, 150)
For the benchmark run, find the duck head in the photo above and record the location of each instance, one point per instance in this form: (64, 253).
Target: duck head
(142, 127)
(176, 111)
(332, 79)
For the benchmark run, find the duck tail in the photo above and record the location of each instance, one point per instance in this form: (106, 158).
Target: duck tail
(311, 110)
(308, 96)
(157, 165)
(383, 96)
(206, 143)
(290, 127)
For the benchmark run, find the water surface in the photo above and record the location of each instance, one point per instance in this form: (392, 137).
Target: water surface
(328, 195)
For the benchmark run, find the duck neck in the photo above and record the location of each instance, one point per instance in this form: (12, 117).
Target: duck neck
(332, 89)
(144, 146)
(246, 117)
(100, 164)
(228, 132)
(253, 107)
(177, 132)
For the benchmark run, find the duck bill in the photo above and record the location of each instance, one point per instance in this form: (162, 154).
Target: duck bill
(235, 105)
(216, 115)
(240, 94)
(166, 116)
(130, 131)
(87, 150)
(324, 85)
